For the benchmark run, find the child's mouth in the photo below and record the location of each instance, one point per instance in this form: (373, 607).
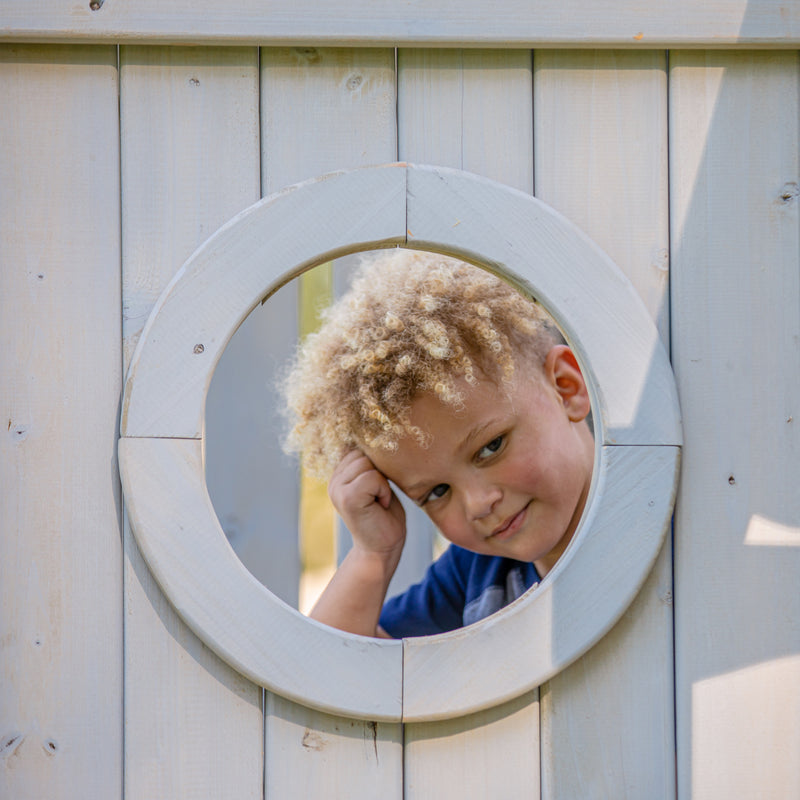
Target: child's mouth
(510, 526)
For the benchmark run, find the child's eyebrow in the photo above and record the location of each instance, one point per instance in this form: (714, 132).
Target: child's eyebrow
(415, 487)
(479, 431)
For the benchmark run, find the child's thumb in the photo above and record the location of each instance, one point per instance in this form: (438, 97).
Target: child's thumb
(384, 496)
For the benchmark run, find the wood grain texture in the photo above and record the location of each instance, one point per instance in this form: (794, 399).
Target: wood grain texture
(601, 159)
(468, 109)
(514, 23)
(736, 326)
(325, 109)
(189, 162)
(61, 723)
(312, 754)
(492, 753)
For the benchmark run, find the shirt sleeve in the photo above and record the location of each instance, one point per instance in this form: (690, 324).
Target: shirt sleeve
(434, 605)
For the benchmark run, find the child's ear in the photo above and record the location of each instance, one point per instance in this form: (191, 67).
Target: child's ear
(562, 371)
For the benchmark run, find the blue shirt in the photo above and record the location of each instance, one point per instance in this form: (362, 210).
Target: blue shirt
(459, 588)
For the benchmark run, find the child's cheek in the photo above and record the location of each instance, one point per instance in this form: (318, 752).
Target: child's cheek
(452, 526)
(527, 468)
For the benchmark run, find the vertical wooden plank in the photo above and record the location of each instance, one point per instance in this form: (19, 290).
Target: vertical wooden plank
(312, 754)
(190, 161)
(322, 110)
(736, 328)
(325, 109)
(471, 109)
(601, 159)
(496, 747)
(60, 371)
(468, 109)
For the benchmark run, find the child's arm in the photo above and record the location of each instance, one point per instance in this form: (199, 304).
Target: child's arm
(374, 516)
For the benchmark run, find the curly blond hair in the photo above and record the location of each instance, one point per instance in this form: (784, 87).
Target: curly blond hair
(412, 322)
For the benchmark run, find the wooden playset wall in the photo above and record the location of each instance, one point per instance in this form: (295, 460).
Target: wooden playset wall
(131, 134)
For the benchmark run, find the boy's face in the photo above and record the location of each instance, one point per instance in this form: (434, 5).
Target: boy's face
(509, 473)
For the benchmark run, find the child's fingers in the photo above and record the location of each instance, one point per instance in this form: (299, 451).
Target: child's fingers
(368, 486)
(353, 464)
(384, 495)
(356, 476)
(349, 458)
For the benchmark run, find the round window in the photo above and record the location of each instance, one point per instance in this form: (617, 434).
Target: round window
(635, 412)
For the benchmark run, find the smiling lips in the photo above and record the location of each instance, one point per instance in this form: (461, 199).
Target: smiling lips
(510, 526)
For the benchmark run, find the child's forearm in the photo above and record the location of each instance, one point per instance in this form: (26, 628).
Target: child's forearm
(353, 599)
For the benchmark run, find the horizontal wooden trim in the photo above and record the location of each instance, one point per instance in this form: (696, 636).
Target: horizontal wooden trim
(424, 23)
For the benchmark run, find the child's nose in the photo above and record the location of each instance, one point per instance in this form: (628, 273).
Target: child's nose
(481, 500)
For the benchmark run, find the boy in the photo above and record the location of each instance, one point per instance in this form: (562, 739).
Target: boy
(437, 376)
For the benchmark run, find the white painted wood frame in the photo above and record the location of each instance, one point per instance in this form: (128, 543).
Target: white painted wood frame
(483, 222)
(607, 720)
(60, 378)
(736, 326)
(505, 23)
(190, 160)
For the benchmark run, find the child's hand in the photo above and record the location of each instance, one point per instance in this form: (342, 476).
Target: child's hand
(363, 497)
(370, 509)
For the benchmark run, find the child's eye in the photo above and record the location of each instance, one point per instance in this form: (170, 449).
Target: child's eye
(490, 449)
(440, 490)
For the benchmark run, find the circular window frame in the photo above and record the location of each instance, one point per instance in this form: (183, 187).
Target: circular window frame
(635, 411)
